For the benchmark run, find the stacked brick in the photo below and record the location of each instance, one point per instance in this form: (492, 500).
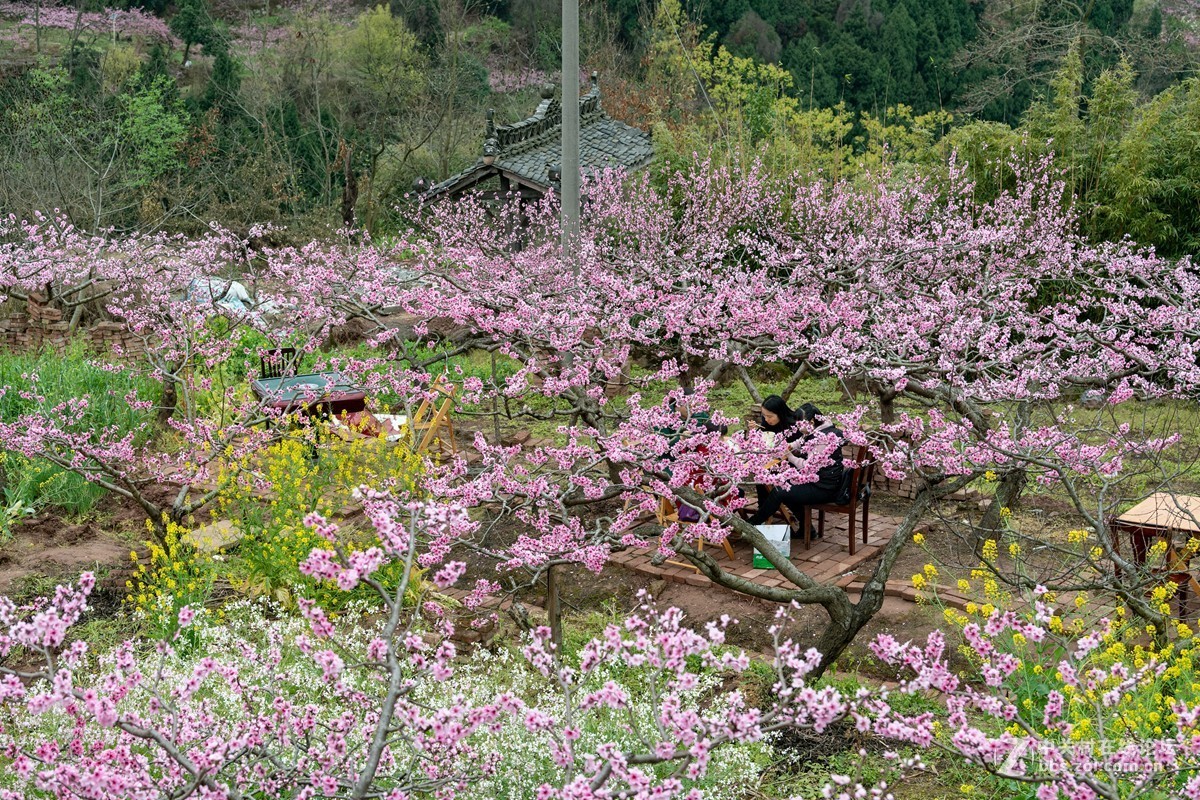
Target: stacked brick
(42, 327)
(906, 488)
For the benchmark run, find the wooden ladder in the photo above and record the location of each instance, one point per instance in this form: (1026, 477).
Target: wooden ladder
(430, 424)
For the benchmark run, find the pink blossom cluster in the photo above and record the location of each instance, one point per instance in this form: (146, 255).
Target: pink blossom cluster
(127, 22)
(1036, 746)
(916, 291)
(506, 80)
(1187, 14)
(132, 735)
(137, 736)
(255, 38)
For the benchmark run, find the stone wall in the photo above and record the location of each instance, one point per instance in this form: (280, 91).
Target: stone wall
(39, 326)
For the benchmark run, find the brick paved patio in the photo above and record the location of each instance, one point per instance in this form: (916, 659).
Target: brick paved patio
(827, 561)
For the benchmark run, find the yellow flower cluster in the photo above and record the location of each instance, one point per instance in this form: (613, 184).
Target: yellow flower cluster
(1143, 710)
(174, 577)
(270, 494)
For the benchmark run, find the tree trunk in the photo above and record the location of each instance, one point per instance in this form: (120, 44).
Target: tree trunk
(887, 407)
(554, 608)
(846, 619)
(1008, 493)
(170, 401)
(349, 189)
(843, 628)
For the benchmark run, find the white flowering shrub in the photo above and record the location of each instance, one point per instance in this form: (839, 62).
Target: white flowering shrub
(527, 762)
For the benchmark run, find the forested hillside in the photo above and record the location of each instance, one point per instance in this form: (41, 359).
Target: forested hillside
(313, 116)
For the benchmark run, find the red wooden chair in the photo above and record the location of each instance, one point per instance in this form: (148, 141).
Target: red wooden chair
(860, 496)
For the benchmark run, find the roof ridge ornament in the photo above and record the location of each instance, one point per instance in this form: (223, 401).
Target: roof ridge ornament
(528, 152)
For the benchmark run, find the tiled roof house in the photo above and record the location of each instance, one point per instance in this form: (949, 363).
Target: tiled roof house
(524, 154)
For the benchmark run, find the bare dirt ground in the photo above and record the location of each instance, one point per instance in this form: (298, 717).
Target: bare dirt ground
(50, 547)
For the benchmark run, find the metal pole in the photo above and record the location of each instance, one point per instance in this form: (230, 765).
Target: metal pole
(570, 130)
(569, 200)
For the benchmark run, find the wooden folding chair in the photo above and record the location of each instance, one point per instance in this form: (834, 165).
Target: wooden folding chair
(277, 363)
(668, 513)
(428, 422)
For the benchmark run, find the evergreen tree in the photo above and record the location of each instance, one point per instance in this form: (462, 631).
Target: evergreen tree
(898, 48)
(1154, 24)
(158, 66)
(423, 18)
(223, 85)
(193, 24)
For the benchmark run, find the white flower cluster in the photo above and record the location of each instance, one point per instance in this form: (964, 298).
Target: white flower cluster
(261, 640)
(527, 762)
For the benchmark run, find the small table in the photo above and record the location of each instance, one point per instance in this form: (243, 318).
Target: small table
(1159, 516)
(318, 392)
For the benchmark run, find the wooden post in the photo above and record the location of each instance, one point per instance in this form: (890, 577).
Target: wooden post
(570, 130)
(495, 409)
(554, 609)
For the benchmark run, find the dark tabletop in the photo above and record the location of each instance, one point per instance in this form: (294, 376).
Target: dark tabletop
(316, 386)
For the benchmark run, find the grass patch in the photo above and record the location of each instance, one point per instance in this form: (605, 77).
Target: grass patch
(38, 383)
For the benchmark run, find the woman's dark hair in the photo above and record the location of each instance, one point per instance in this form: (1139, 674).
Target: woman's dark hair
(808, 412)
(787, 418)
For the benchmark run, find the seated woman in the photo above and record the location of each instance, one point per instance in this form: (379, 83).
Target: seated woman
(692, 419)
(775, 417)
(702, 419)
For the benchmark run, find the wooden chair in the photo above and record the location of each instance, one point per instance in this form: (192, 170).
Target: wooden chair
(428, 422)
(860, 495)
(277, 363)
(667, 514)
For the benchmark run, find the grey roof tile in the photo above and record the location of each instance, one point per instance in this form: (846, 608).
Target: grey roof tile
(535, 142)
